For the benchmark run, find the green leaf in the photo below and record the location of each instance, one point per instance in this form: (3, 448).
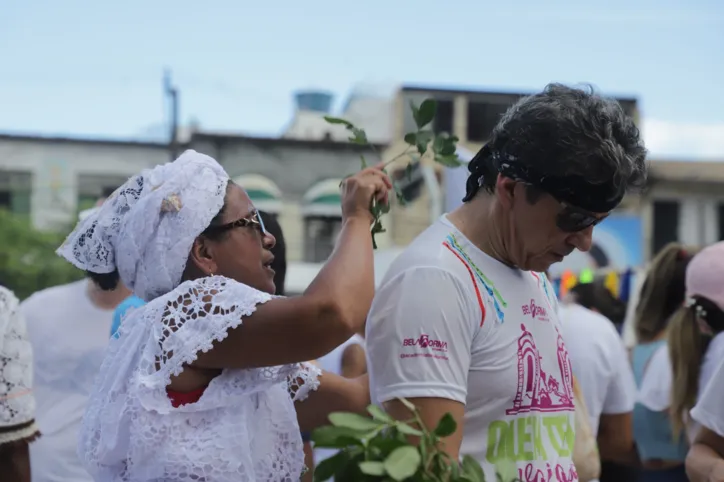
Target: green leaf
(408, 171)
(407, 430)
(423, 138)
(415, 112)
(425, 113)
(446, 426)
(326, 469)
(472, 469)
(403, 462)
(353, 421)
(444, 144)
(398, 193)
(337, 437)
(451, 160)
(385, 445)
(372, 468)
(359, 136)
(377, 228)
(379, 414)
(363, 162)
(337, 120)
(384, 207)
(411, 138)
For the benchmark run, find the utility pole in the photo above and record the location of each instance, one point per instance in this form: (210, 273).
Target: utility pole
(171, 92)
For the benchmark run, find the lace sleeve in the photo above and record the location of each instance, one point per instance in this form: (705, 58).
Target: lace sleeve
(303, 381)
(193, 317)
(17, 404)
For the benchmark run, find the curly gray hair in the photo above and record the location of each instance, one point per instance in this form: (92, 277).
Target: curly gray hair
(566, 131)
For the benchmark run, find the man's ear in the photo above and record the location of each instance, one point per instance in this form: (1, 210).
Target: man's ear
(201, 256)
(505, 190)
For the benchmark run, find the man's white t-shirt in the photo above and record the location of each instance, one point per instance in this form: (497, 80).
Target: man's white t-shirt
(69, 336)
(600, 362)
(709, 410)
(449, 321)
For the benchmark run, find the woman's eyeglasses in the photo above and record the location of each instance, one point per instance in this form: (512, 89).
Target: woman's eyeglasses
(253, 220)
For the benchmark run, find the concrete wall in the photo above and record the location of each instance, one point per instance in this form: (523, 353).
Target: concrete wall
(55, 167)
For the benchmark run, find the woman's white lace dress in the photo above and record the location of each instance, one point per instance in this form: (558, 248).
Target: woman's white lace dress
(17, 404)
(244, 426)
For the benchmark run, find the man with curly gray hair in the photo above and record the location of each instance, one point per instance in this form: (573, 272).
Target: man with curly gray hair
(465, 320)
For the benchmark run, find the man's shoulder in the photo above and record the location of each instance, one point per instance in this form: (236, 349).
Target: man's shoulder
(585, 324)
(428, 252)
(49, 297)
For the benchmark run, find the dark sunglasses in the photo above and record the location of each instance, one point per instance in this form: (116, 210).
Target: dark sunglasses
(253, 220)
(571, 219)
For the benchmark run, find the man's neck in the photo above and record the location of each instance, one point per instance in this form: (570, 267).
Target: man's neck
(477, 220)
(106, 300)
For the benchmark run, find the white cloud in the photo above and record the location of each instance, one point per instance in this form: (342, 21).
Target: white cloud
(684, 141)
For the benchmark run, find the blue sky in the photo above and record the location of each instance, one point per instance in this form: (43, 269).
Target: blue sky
(87, 68)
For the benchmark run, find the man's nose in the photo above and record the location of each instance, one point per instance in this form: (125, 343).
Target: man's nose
(582, 240)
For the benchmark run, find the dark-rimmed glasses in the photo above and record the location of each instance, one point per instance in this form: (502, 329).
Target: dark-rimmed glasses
(571, 219)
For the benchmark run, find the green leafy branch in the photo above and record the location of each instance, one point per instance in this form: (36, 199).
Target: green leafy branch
(441, 147)
(379, 449)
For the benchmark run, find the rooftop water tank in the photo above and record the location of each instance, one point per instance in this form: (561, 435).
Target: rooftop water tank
(314, 101)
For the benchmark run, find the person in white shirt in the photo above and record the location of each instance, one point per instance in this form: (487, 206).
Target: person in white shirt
(465, 322)
(68, 328)
(601, 366)
(705, 461)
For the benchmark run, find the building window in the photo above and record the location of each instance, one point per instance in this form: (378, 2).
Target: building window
(320, 235)
(443, 121)
(482, 118)
(15, 191)
(91, 188)
(666, 225)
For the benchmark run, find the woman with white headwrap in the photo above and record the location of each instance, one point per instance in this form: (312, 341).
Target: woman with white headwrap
(200, 384)
(17, 404)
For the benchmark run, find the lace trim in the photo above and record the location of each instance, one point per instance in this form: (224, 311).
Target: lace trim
(25, 434)
(304, 381)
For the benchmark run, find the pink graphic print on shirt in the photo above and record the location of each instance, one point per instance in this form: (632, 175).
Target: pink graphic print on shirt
(539, 391)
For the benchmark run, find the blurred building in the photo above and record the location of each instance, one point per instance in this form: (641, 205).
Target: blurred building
(51, 179)
(296, 176)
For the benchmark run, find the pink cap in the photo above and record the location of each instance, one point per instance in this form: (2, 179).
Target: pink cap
(705, 275)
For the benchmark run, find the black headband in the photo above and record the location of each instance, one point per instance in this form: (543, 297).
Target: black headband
(573, 189)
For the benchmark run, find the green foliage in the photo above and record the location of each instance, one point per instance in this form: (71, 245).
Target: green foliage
(379, 449)
(423, 141)
(28, 262)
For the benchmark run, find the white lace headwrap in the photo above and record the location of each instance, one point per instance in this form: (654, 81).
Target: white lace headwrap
(17, 404)
(146, 228)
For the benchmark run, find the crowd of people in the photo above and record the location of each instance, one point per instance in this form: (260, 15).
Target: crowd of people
(179, 358)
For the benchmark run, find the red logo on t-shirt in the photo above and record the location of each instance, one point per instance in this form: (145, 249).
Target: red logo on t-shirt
(424, 341)
(535, 311)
